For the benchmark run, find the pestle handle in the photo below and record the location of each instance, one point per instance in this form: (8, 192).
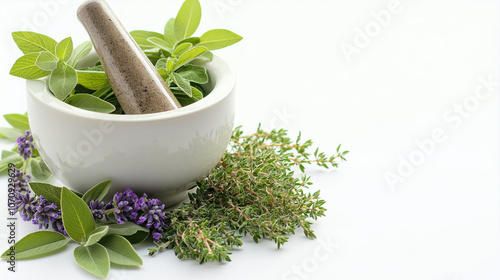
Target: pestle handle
(137, 84)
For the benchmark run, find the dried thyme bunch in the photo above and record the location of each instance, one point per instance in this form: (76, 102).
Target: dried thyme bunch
(252, 191)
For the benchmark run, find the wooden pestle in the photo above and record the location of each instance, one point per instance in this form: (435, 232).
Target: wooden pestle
(137, 84)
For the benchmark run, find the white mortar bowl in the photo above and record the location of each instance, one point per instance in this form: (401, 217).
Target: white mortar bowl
(161, 154)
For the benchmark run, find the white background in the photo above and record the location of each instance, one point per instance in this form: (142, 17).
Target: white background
(406, 83)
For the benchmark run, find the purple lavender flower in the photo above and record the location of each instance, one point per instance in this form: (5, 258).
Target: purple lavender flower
(152, 212)
(58, 226)
(20, 180)
(25, 144)
(157, 236)
(46, 213)
(97, 209)
(26, 205)
(124, 206)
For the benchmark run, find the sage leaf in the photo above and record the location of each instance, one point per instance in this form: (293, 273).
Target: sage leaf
(94, 259)
(37, 244)
(161, 63)
(182, 83)
(39, 169)
(98, 192)
(91, 103)
(169, 33)
(46, 61)
(197, 94)
(17, 121)
(132, 232)
(189, 55)
(163, 73)
(80, 52)
(77, 218)
(170, 64)
(187, 19)
(13, 158)
(194, 73)
(141, 38)
(25, 67)
(11, 133)
(102, 91)
(121, 251)
(180, 49)
(159, 42)
(205, 57)
(192, 40)
(50, 192)
(62, 81)
(96, 235)
(31, 42)
(64, 49)
(219, 38)
(92, 79)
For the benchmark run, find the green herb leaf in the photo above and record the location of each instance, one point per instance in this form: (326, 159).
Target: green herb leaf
(46, 61)
(187, 19)
(50, 192)
(18, 121)
(163, 73)
(141, 38)
(11, 134)
(91, 103)
(96, 235)
(170, 64)
(37, 244)
(159, 42)
(92, 79)
(62, 81)
(205, 57)
(98, 192)
(132, 232)
(64, 49)
(77, 218)
(25, 67)
(80, 52)
(31, 42)
(169, 33)
(192, 40)
(102, 91)
(197, 94)
(194, 73)
(13, 158)
(219, 38)
(180, 49)
(182, 83)
(39, 169)
(94, 259)
(161, 63)
(121, 251)
(189, 55)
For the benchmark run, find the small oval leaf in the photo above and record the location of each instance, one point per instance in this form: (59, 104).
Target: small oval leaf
(121, 251)
(94, 259)
(37, 244)
(91, 103)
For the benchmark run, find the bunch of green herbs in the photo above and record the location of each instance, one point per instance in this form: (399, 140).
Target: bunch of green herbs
(176, 53)
(252, 191)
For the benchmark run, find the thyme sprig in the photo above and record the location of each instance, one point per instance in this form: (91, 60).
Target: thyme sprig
(253, 191)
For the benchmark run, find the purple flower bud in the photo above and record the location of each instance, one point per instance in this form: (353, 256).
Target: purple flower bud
(25, 144)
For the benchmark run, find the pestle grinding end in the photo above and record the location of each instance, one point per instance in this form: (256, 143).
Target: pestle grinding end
(137, 84)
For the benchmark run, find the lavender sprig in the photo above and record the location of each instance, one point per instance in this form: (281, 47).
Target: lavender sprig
(25, 144)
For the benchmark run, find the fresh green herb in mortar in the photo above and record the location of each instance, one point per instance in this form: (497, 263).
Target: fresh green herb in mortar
(252, 191)
(176, 53)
